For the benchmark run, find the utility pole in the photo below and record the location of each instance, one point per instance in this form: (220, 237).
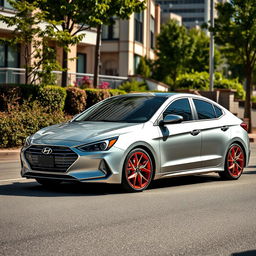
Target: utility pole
(211, 59)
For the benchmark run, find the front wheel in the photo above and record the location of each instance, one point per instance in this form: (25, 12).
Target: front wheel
(138, 171)
(235, 163)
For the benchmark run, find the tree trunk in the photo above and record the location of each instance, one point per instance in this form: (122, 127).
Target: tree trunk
(97, 58)
(64, 77)
(248, 103)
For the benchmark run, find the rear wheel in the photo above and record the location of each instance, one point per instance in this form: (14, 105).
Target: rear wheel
(48, 183)
(235, 162)
(138, 171)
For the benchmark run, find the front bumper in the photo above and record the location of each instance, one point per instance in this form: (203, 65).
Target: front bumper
(103, 167)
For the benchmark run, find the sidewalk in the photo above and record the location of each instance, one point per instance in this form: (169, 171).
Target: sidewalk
(9, 154)
(14, 154)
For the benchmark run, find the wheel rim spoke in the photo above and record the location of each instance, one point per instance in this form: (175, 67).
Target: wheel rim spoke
(235, 161)
(138, 170)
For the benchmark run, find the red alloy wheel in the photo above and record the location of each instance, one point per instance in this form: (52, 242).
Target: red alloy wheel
(138, 170)
(236, 161)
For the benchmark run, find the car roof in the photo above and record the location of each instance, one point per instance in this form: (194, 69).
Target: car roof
(156, 94)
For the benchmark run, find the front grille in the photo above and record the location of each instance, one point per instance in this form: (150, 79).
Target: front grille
(59, 160)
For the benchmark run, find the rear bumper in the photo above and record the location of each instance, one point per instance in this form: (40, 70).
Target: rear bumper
(101, 167)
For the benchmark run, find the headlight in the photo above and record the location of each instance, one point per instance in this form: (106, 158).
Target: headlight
(103, 145)
(27, 141)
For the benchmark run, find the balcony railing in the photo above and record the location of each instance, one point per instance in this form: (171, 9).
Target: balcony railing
(17, 76)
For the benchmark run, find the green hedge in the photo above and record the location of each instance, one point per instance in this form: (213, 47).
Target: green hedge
(200, 81)
(96, 95)
(133, 86)
(12, 94)
(75, 100)
(23, 121)
(52, 97)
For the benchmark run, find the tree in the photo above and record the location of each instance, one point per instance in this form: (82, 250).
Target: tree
(121, 9)
(143, 68)
(37, 55)
(70, 19)
(174, 50)
(199, 61)
(235, 28)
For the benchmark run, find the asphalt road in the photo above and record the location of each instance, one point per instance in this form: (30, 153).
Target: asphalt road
(197, 215)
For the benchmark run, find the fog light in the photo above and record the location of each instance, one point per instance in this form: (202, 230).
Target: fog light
(104, 168)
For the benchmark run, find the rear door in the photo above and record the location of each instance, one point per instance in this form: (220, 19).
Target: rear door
(180, 144)
(215, 133)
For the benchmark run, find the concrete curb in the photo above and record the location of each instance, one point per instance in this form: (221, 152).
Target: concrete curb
(14, 154)
(9, 154)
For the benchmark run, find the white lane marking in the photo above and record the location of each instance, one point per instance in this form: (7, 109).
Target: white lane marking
(18, 179)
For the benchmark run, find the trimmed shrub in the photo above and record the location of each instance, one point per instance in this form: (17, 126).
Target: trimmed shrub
(23, 121)
(133, 86)
(199, 81)
(15, 94)
(75, 100)
(52, 97)
(115, 92)
(96, 95)
(231, 84)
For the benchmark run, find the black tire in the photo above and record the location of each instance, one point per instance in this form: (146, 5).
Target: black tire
(234, 163)
(138, 171)
(48, 183)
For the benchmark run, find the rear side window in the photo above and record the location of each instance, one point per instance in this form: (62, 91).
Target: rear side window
(180, 107)
(204, 109)
(218, 111)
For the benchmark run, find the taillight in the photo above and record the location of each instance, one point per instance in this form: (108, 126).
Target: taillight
(244, 126)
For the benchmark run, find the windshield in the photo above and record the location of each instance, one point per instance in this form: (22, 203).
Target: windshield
(130, 109)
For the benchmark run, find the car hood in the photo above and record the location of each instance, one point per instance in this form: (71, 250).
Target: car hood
(76, 133)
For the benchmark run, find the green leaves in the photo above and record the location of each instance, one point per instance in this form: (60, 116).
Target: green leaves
(174, 50)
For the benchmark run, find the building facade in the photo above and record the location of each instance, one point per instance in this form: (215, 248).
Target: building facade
(193, 12)
(122, 46)
(126, 41)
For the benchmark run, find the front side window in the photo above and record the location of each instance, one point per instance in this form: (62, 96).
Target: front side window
(138, 30)
(180, 107)
(132, 109)
(204, 109)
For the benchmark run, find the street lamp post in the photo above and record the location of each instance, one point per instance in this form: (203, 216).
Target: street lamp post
(211, 59)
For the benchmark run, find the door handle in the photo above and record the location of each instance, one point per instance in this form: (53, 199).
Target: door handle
(195, 132)
(224, 128)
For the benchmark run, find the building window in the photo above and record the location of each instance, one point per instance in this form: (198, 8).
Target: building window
(9, 56)
(152, 32)
(81, 63)
(5, 4)
(136, 62)
(138, 27)
(111, 32)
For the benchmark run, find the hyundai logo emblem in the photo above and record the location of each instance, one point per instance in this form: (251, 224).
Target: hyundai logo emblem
(47, 151)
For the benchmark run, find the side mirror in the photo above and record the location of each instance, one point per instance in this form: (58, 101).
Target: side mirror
(171, 119)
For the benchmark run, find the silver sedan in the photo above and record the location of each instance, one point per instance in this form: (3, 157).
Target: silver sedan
(136, 138)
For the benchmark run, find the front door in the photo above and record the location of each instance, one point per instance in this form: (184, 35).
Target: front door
(180, 144)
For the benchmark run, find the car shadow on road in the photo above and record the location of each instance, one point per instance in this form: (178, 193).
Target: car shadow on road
(33, 189)
(245, 253)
